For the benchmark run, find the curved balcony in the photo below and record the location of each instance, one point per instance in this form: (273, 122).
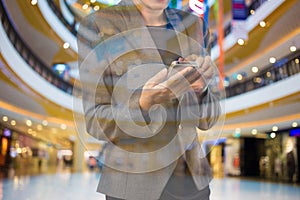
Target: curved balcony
(28, 67)
(270, 75)
(29, 57)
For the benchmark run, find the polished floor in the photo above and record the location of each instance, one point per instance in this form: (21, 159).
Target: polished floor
(82, 186)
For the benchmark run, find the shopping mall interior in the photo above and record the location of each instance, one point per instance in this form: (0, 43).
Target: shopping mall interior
(45, 152)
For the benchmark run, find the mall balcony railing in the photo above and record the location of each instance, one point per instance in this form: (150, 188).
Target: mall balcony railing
(282, 69)
(30, 58)
(70, 26)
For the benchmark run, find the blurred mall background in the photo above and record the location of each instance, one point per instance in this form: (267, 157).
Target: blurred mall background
(255, 42)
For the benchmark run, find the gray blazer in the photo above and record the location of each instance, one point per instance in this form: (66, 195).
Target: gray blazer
(143, 148)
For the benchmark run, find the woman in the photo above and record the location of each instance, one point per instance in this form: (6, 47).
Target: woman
(147, 113)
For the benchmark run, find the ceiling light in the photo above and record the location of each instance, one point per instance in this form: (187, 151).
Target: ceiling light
(239, 77)
(96, 8)
(262, 24)
(66, 45)
(34, 2)
(5, 118)
(63, 126)
(28, 122)
(92, 1)
(13, 122)
(254, 69)
(252, 12)
(275, 128)
(297, 61)
(293, 48)
(272, 60)
(257, 80)
(254, 131)
(39, 127)
(45, 122)
(240, 41)
(19, 150)
(29, 131)
(273, 135)
(268, 74)
(294, 124)
(85, 6)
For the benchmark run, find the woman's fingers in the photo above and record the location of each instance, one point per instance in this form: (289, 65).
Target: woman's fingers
(158, 78)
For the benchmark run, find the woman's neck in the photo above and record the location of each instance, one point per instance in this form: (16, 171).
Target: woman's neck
(152, 17)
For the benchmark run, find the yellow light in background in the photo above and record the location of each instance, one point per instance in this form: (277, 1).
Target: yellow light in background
(24, 150)
(293, 48)
(262, 24)
(45, 122)
(272, 60)
(33, 133)
(254, 131)
(63, 126)
(5, 118)
(66, 45)
(257, 80)
(254, 69)
(275, 128)
(39, 127)
(241, 41)
(92, 1)
(19, 150)
(85, 6)
(13, 122)
(96, 8)
(239, 77)
(273, 135)
(28, 122)
(294, 124)
(34, 2)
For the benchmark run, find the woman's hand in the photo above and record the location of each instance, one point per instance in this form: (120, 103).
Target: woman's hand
(161, 88)
(153, 92)
(205, 70)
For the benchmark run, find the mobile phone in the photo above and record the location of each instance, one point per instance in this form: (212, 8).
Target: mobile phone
(182, 64)
(177, 66)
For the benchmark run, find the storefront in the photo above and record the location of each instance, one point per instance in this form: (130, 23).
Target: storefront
(24, 154)
(5, 142)
(282, 151)
(274, 157)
